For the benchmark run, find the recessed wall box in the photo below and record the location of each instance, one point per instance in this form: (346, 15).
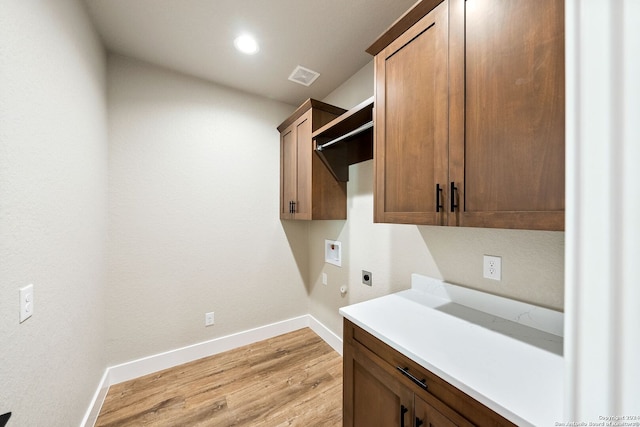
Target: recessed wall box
(333, 252)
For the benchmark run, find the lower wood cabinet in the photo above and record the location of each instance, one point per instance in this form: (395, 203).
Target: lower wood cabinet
(384, 388)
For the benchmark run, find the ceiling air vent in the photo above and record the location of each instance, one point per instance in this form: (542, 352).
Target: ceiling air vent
(303, 76)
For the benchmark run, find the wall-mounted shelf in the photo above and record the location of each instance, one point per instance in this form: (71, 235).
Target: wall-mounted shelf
(346, 140)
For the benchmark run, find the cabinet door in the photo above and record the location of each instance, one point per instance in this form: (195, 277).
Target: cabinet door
(373, 397)
(411, 123)
(427, 415)
(507, 136)
(296, 168)
(304, 168)
(288, 171)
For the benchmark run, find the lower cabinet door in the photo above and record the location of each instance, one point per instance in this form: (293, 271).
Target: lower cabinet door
(378, 398)
(428, 416)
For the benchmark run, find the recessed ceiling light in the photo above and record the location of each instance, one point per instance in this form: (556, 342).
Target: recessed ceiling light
(246, 44)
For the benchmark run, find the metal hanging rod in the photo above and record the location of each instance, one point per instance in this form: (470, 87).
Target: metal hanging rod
(361, 129)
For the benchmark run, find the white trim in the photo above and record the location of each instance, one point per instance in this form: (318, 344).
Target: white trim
(157, 362)
(98, 399)
(326, 334)
(602, 373)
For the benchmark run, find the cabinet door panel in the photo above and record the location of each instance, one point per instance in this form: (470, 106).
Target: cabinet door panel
(373, 396)
(374, 403)
(305, 151)
(288, 171)
(513, 166)
(431, 417)
(411, 122)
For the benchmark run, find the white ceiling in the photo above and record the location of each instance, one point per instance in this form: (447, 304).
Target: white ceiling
(196, 37)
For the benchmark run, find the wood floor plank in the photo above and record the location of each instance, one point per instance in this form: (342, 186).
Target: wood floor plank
(294, 379)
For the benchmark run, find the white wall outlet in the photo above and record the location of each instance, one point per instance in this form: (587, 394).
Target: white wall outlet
(492, 267)
(208, 319)
(324, 278)
(26, 302)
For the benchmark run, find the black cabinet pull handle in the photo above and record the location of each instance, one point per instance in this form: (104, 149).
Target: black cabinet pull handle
(405, 371)
(438, 196)
(290, 206)
(419, 422)
(294, 207)
(4, 419)
(454, 205)
(403, 410)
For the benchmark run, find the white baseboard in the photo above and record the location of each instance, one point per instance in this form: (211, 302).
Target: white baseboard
(98, 399)
(326, 334)
(147, 365)
(157, 362)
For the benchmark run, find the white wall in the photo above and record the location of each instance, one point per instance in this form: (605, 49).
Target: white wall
(193, 215)
(532, 261)
(53, 193)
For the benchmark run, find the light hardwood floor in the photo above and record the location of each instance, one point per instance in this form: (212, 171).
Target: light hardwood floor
(290, 380)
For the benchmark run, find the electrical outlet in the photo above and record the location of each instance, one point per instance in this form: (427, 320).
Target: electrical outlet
(208, 319)
(324, 278)
(26, 302)
(492, 267)
(367, 278)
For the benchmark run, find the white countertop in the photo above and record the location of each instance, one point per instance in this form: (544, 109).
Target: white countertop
(515, 367)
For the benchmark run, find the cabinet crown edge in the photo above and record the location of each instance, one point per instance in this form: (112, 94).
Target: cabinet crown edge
(402, 24)
(306, 106)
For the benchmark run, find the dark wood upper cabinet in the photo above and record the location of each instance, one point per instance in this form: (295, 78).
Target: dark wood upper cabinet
(411, 122)
(510, 160)
(470, 115)
(308, 190)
